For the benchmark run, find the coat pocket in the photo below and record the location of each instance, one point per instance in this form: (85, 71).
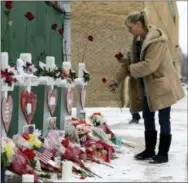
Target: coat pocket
(160, 87)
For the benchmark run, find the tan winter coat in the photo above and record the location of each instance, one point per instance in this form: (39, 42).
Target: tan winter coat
(162, 84)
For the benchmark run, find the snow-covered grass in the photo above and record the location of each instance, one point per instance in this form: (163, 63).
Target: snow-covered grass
(126, 169)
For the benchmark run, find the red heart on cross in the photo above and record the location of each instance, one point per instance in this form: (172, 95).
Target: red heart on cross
(6, 112)
(69, 100)
(52, 100)
(31, 99)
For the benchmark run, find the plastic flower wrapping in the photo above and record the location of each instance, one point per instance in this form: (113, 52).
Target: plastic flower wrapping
(8, 151)
(97, 119)
(32, 139)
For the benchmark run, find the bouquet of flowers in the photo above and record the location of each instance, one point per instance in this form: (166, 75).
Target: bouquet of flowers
(54, 72)
(20, 165)
(83, 129)
(97, 119)
(8, 151)
(32, 139)
(8, 76)
(27, 148)
(29, 68)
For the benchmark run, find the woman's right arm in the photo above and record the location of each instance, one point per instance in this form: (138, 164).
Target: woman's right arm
(123, 71)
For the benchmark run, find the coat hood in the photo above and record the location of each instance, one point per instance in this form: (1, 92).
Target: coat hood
(154, 35)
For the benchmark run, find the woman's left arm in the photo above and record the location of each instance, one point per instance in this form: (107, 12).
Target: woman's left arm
(153, 58)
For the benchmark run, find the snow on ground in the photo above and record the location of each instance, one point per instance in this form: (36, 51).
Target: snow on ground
(126, 169)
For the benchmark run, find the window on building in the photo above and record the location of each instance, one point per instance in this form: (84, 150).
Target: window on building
(172, 11)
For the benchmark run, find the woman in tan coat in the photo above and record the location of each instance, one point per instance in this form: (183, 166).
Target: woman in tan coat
(154, 83)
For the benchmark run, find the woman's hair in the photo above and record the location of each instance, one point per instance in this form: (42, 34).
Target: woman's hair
(138, 16)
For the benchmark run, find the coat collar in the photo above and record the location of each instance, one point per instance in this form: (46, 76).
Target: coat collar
(154, 35)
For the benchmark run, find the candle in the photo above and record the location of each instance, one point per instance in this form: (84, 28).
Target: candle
(50, 62)
(26, 57)
(28, 108)
(66, 170)
(4, 60)
(67, 65)
(28, 178)
(80, 70)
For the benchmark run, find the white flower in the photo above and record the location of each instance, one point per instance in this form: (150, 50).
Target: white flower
(10, 23)
(37, 133)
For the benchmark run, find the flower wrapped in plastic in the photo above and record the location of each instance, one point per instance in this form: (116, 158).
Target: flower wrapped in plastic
(97, 119)
(8, 151)
(83, 129)
(27, 149)
(21, 142)
(53, 139)
(20, 165)
(32, 139)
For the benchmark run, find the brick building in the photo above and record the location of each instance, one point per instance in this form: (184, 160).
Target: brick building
(105, 21)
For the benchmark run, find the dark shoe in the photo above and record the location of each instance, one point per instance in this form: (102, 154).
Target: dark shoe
(144, 155)
(150, 142)
(136, 121)
(159, 159)
(164, 146)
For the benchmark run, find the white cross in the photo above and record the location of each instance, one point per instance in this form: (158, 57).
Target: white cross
(4, 65)
(26, 57)
(50, 64)
(66, 65)
(81, 69)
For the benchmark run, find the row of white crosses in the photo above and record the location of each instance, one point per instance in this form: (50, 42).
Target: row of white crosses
(26, 81)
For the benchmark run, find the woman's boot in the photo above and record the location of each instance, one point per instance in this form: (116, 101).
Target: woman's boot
(164, 146)
(150, 143)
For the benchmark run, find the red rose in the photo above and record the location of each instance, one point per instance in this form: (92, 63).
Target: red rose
(54, 26)
(119, 55)
(8, 4)
(25, 136)
(65, 143)
(10, 73)
(29, 15)
(90, 38)
(104, 80)
(3, 74)
(61, 31)
(9, 80)
(29, 153)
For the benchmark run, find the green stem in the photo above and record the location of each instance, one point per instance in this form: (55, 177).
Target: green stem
(6, 31)
(62, 54)
(26, 37)
(50, 42)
